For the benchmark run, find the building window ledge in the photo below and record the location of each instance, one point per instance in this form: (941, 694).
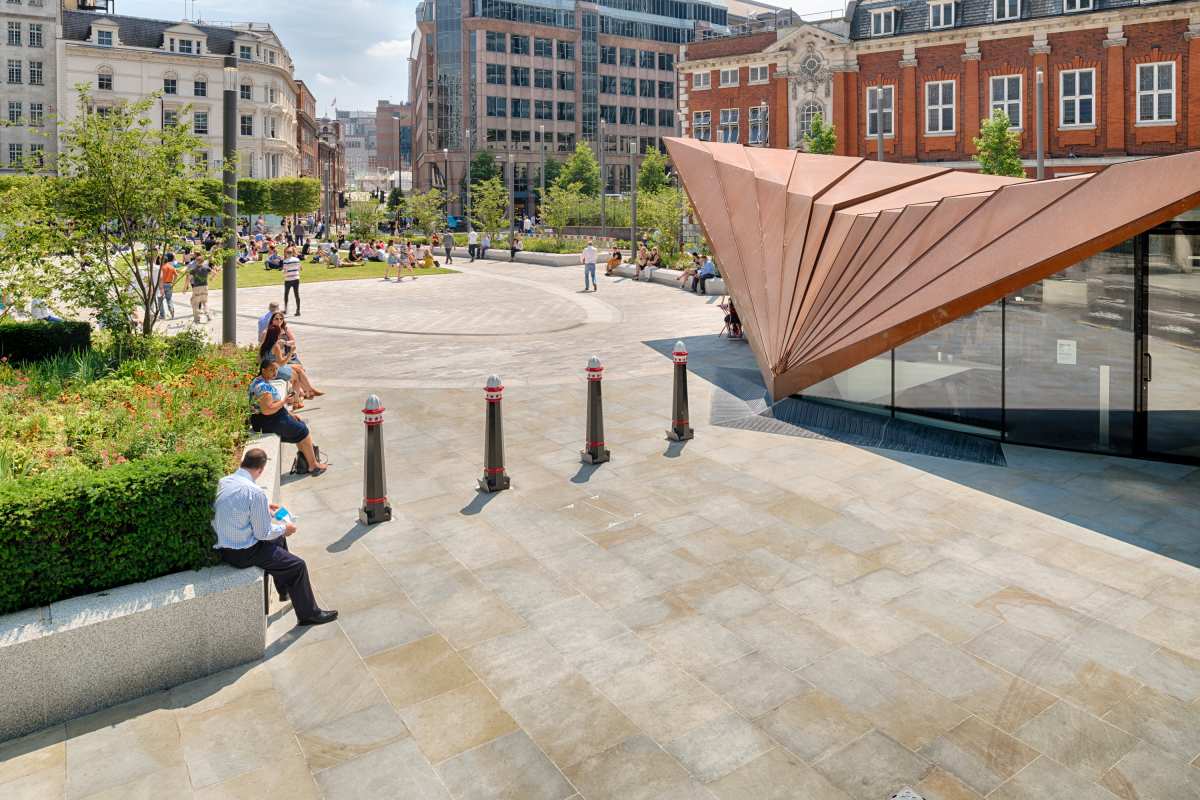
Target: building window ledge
(872, 137)
(1158, 123)
(940, 135)
(1077, 127)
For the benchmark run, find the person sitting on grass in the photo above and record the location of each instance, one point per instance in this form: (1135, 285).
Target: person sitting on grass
(274, 260)
(352, 255)
(614, 261)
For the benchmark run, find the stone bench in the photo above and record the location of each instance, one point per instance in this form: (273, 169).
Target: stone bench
(669, 277)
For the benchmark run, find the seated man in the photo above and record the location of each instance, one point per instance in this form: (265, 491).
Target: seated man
(709, 270)
(274, 260)
(249, 536)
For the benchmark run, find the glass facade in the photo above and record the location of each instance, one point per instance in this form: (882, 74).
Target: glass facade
(448, 99)
(1101, 357)
(589, 59)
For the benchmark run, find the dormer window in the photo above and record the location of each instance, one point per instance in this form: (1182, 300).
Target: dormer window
(941, 15)
(1072, 6)
(186, 47)
(883, 21)
(245, 52)
(1008, 9)
(104, 38)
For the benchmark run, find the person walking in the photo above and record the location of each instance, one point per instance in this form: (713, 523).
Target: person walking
(392, 260)
(291, 278)
(472, 243)
(166, 285)
(198, 272)
(588, 257)
(448, 243)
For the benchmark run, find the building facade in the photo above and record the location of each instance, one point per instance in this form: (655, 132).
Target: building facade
(28, 95)
(306, 130)
(361, 141)
(332, 169)
(393, 129)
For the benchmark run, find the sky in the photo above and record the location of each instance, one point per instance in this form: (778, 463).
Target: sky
(352, 51)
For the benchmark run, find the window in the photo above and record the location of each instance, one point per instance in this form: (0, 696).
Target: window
(808, 112)
(170, 86)
(941, 15)
(104, 80)
(566, 81)
(729, 124)
(608, 84)
(629, 87)
(702, 125)
(701, 80)
(1071, 6)
(939, 107)
(35, 73)
(759, 120)
(647, 59)
(1077, 88)
(543, 79)
(543, 109)
(37, 152)
(170, 118)
(247, 125)
(628, 57)
(566, 50)
(495, 41)
(883, 23)
(543, 48)
(14, 34)
(37, 115)
(566, 142)
(497, 135)
(759, 74)
(645, 87)
(104, 38)
(1007, 9)
(15, 156)
(1006, 97)
(646, 117)
(14, 70)
(521, 137)
(729, 77)
(666, 90)
(200, 87)
(628, 115)
(666, 118)
(520, 76)
(495, 73)
(14, 112)
(520, 109)
(185, 46)
(877, 106)
(608, 55)
(609, 114)
(200, 123)
(566, 112)
(202, 160)
(497, 106)
(270, 56)
(246, 92)
(1156, 92)
(519, 45)
(245, 52)
(36, 38)
(666, 62)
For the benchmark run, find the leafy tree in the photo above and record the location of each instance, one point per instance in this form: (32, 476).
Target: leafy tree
(559, 204)
(395, 199)
(822, 138)
(553, 170)
(998, 149)
(294, 195)
(254, 197)
(581, 168)
(652, 176)
(428, 209)
(662, 212)
(129, 193)
(484, 167)
(489, 205)
(365, 216)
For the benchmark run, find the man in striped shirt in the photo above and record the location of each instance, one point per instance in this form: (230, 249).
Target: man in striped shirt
(291, 278)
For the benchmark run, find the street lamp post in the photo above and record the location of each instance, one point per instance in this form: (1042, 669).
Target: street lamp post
(1041, 123)
(446, 157)
(229, 180)
(603, 184)
(542, 193)
(512, 189)
(399, 152)
(633, 197)
(764, 123)
(468, 181)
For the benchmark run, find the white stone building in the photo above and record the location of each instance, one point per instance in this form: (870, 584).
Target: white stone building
(28, 93)
(123, 59)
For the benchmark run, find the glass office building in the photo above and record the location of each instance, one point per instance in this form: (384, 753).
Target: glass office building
(1101, 357)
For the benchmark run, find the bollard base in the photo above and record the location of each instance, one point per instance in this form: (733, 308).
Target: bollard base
(375, 513)
(681, 434)
(600, 456)
(494, 483)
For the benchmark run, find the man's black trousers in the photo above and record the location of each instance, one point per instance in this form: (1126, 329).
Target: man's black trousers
(289, 571)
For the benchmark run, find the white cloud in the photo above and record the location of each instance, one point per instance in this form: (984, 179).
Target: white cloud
(325, 80)
(389, 48)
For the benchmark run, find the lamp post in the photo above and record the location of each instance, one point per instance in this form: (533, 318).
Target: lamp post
(1041, 123)
(542, 193)
(603, 183)
(446, 157)
(399, 152)
(633, 197)
(763, 124)
(879, 123)
(229, 180)
(468, 181)
(512, 189)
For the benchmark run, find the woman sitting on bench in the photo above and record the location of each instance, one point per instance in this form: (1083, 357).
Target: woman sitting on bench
(269, 415)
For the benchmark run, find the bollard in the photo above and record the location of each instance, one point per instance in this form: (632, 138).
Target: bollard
(494, 477)
(680, 429)
(594, 451)
(375, 507)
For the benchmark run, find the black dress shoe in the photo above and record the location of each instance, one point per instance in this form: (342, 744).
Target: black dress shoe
(321, 618)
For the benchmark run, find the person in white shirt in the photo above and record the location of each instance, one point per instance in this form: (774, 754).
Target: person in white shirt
(472, 244)
(528, 226)
(588, 257)
(291, 278)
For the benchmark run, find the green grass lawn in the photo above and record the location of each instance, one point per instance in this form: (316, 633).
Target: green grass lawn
(254, 273)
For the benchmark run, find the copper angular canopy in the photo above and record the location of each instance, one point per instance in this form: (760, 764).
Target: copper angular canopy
(834, 260)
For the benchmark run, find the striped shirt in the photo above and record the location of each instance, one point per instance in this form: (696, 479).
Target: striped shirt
(291, 269)
(241, 513)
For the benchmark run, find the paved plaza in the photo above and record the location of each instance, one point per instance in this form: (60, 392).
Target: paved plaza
(748, 616)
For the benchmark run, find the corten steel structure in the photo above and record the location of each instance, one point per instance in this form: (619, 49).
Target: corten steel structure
(835, 260)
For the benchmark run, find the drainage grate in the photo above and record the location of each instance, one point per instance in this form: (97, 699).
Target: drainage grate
(906, 794)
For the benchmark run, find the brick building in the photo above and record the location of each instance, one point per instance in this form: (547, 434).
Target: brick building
(306, 130)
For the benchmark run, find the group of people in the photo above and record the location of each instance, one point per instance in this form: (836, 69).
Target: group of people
(700, 272)
(196, 267)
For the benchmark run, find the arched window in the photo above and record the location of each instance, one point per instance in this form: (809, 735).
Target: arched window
(808, 110)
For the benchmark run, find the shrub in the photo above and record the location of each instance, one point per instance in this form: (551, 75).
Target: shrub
(34, 341)
(79, 531)
(548, 245)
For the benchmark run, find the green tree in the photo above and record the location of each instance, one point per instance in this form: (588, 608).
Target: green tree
(395, 199)
(998, 149)
(661, 214)
(553, 170)
(428, 209)
(484, 167)
(581, 168)
(365, 216)
(254, 197)
(291, 196)
(652, 176)
(129, 192)
(821, 138)
(489, 205)
(558, 206)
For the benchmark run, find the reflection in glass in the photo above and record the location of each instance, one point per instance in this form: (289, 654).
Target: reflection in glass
(1173, 342)
(869, 383)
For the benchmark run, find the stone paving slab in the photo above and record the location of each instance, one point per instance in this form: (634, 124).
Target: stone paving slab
(747, 616)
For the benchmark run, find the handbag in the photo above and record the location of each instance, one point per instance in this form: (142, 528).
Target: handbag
(301, 466)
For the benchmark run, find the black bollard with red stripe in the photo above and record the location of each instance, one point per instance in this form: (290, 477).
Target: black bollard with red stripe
(594, 451)
(375, 507)
(681, 429)
(494, 479)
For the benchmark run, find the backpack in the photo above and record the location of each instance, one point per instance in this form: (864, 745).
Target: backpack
(300, 465)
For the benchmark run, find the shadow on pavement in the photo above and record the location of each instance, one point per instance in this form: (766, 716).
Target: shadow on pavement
(348, 538)
(477, 503)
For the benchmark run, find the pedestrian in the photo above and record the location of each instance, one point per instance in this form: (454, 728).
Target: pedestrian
(448, 243)
(527, 225)
(166, 285)
(484, 245)
(198, 272)
(514, 247)
(393, 260)
(265, 319)
(291, 278)
(588, 258)
(472, 243)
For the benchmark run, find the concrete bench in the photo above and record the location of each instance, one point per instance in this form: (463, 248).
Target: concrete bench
(269, 481)
(669, 277)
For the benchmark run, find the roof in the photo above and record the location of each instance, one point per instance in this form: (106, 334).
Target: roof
(914, 14)
(142, 32)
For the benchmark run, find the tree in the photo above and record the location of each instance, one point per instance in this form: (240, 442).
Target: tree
(130, 191)
(483, 167)
(365, 216)
(254, 197)
(663, 212)
(428, 209)
(489, 204)
(997, 148)
(553, 170)
(653, 173)
(294, 195)
(560, 202)
(395, 199)
(581, 168)
(821, 138)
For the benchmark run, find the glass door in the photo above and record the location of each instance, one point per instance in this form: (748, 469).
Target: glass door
(1169, 345)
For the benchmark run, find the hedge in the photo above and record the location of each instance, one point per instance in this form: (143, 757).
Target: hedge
(34, 341)
(64, 534)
